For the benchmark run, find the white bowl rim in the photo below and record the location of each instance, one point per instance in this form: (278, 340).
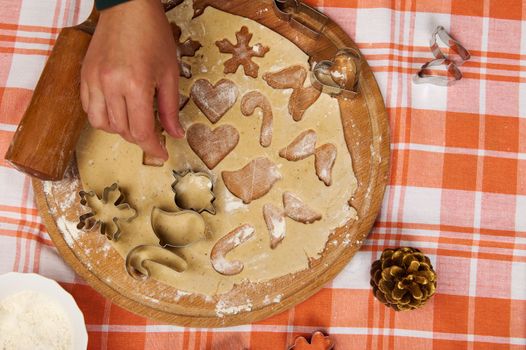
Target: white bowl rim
(14, 282)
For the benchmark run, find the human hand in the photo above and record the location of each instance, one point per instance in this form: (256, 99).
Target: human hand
(132, 56)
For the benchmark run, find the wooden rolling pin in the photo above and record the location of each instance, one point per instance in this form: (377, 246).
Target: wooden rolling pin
(46, 137)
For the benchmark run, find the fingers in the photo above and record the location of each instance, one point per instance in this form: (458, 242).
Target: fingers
(84, 95)
(93, 102)
(97, 112)
(117, 107)
(168, 104)
(141, 122)
(118, 116)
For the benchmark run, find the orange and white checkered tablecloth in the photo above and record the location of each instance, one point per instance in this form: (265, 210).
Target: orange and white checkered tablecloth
(457, 188)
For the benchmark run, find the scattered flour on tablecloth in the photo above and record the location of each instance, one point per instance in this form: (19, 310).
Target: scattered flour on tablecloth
(31, 320)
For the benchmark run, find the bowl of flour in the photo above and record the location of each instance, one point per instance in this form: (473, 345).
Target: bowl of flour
(37, 313)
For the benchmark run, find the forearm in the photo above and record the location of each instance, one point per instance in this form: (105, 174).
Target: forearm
(104, 4)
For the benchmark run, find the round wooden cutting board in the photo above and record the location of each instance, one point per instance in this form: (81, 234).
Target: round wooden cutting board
(364, 119)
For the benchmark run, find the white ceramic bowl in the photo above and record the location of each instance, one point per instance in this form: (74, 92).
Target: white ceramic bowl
(14, 282)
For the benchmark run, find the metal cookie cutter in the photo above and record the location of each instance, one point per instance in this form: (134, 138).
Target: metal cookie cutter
(97, 217)
(194, 191)
(139, 259)
(338, 77)
(300, 16)
(193, 194)
(449, 61)
(178, 229)
(460, 53)
(430, 76)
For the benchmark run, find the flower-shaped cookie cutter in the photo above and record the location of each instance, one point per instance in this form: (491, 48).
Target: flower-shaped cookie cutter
(179, 229)
(302, 17)
(194, 191)
(339, 76)
(107, 221)
(140, 258)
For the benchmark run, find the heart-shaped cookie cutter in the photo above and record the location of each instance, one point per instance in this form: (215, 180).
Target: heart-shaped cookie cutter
(339, 76)
(301, 17)
(89, 221)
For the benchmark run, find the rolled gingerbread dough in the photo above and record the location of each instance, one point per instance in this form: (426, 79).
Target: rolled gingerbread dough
(105, 158)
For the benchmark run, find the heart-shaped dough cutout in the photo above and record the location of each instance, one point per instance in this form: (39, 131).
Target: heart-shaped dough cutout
(214, 100)
(212, 146)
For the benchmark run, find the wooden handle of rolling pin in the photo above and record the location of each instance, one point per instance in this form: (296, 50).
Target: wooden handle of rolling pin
(46, 137)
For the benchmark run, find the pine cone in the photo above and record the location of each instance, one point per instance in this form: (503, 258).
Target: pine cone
(403, 278)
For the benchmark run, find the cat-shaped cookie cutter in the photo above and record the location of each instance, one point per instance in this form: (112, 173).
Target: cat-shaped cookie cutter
(338, 77)
(188, 226)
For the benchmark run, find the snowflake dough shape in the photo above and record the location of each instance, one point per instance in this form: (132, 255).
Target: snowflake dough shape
(187, 48)
(242, 53)
(105, 212)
